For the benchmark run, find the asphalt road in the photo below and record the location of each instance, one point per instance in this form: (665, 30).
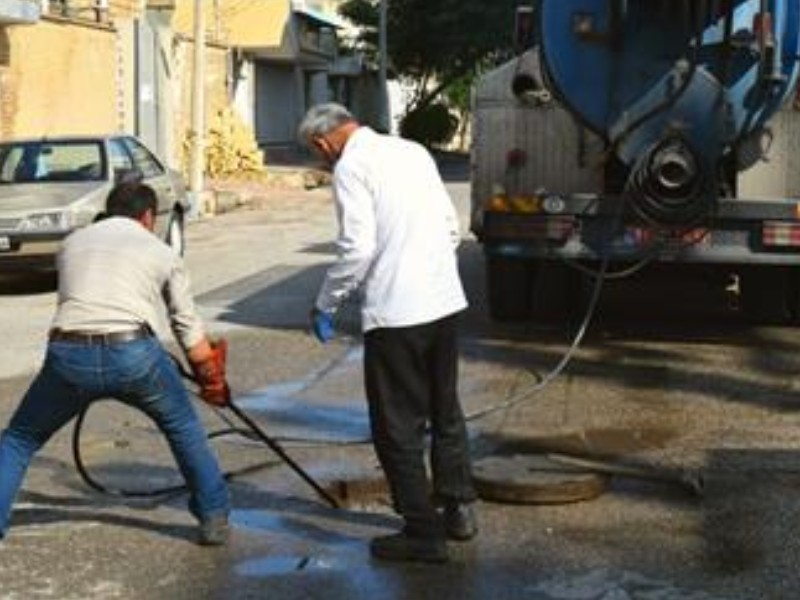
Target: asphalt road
(668, 378)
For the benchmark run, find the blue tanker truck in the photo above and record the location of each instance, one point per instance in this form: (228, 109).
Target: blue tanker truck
(629, 133)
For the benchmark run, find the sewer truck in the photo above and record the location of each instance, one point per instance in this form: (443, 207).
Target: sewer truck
(628, 133)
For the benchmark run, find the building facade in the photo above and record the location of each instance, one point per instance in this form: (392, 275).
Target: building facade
(95, 66)
(60, 71)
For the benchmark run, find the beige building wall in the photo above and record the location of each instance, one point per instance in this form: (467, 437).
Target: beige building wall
(241, 23)
(216, 90)
(125, 9)
(88, 9)
(58, 78)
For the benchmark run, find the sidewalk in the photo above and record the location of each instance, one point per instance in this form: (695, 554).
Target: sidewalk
(233, 193)
(293, 170)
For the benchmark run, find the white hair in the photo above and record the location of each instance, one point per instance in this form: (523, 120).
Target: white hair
(322, 119)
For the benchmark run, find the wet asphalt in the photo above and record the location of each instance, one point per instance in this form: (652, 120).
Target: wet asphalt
(669, 379)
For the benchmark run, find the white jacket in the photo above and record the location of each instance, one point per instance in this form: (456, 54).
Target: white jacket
(398, 232)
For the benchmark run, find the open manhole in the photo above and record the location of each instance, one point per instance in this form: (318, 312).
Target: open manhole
(359, 491)
(535, 479)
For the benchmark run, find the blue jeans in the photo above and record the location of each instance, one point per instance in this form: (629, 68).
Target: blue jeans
(139, 373)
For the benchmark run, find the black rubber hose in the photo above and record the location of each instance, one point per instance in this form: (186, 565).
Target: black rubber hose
(93, 483)
(253, 432)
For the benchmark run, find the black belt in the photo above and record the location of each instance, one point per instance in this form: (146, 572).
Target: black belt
(94, 338)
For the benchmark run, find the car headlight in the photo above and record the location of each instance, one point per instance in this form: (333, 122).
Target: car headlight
(54, 221)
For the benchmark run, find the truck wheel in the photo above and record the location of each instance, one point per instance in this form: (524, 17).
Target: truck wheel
(766, 294)
(557, 292)
(794, 295)
(508, 287)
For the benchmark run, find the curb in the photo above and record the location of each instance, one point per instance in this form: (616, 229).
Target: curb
(228, 195)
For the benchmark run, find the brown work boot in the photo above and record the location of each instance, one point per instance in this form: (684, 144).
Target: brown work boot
(214, 531)
(402, 547)
(460, 523)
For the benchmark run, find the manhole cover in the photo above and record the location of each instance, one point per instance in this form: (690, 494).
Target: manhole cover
(534, 479)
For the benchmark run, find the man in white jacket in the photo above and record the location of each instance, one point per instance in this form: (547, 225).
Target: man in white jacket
(398, 232)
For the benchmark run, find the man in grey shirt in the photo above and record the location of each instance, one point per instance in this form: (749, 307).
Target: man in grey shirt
(115, 277)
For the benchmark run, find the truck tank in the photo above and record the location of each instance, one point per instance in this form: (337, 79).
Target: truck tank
(630, 132)
(674, 86)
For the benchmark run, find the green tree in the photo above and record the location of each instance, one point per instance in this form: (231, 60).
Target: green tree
(436, 43)
(458, 96)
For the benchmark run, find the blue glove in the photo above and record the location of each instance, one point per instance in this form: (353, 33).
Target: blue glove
(322, 325)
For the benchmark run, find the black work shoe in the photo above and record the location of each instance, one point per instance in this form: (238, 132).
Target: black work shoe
(459, 522)
(214, 531)
(401, 547)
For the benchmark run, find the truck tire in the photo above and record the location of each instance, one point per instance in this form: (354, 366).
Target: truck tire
(508, 287)
(556, 293)
(794, 295)
(766, 294)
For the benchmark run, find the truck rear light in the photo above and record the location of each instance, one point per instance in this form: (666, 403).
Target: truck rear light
(783, 234)
(515, 204)
(559, 228)
(498, 203)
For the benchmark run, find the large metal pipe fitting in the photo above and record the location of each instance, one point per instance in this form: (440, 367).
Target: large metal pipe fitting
(669, 185)
(528, 90)
(673, 168)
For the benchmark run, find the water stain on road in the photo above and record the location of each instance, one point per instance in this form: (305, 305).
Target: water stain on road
(295, 406)
(329, 551)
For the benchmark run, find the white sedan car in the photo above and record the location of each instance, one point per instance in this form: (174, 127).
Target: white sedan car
(51, 186)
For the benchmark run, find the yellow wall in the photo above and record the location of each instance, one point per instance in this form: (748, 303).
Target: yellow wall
(124, 9)
(243, 23)
(57, 78)
(216, 90)
(86, 10)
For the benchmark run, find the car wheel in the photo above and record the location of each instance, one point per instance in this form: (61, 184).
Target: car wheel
(175, 236)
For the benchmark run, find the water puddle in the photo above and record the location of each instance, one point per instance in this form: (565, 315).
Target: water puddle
(608, 584)
(270, 566)
(285, 390)
(315, 423)
(335, 552)
(292, 529)
(344, 421)
(257, 519)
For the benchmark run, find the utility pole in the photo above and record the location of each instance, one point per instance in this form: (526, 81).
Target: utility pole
(383, 58)
(197, 165)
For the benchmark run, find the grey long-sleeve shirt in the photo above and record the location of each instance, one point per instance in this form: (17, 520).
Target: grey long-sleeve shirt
(116, 275)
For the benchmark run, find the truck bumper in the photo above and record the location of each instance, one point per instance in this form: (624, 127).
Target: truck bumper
(740, 232)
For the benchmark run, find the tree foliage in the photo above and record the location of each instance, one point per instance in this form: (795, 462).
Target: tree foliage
(436, 43)
(431, 125)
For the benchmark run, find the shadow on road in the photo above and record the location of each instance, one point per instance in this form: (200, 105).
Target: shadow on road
(49, 515)
(643, 335)
(24, 284)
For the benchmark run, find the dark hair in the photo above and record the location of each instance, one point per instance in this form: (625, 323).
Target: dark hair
(131, 199)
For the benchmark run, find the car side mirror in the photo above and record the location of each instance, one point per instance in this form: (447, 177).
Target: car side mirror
(127, 175)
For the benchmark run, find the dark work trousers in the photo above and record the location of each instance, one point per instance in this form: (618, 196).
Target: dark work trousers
(411, 378)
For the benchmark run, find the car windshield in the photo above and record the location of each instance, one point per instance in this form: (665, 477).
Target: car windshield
(51, 161)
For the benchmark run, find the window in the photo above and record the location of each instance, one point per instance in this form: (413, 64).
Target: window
(35, 162)
(118, 157)
(143, 160)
